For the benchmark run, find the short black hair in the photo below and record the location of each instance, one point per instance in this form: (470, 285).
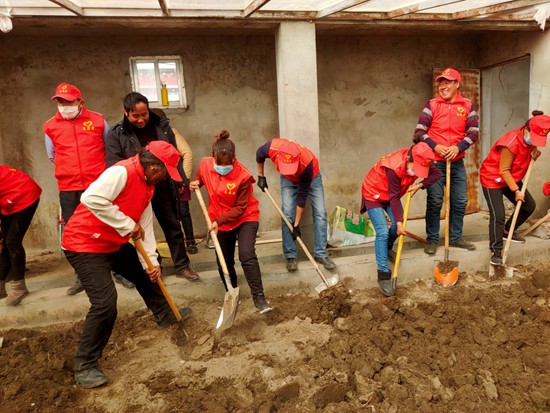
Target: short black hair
(132, 99)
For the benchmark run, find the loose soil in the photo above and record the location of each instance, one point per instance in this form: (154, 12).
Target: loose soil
(480, 346)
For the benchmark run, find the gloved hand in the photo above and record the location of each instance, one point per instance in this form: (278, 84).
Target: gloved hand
(262, 183)
(296, 233)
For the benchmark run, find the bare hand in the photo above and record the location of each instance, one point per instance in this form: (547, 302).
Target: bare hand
(194, 185)
(535, 153)
(413, 189)
(441, 150)
(519, 197)
(452, 152)
(213, 227)
(137, 233)
(400, 229)
(154, 273)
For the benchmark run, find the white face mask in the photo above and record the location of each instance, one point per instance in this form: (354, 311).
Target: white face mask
(410, 171)
(68, 112)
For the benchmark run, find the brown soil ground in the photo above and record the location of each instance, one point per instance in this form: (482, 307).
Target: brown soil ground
(480, 346)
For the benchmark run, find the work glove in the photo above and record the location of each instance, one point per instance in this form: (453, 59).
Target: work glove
(296, 232)
(262, 183)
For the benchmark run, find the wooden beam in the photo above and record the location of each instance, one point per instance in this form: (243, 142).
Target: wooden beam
(420, 6)
(509, 6)
(69, 5)
(164, 8)
(253, 6)
(341, 5)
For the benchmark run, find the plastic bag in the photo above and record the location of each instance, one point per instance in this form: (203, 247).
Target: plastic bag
(349, 228)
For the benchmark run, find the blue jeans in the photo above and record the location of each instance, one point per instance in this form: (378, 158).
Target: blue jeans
(317, 198)
(459, 199)
(385, 236)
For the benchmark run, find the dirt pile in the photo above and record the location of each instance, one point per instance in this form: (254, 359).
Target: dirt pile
(477, 347)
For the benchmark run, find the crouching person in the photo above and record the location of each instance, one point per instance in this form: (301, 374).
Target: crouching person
(114, 209)
(384, 185)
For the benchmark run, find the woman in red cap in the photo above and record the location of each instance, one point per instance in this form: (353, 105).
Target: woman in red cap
(19, 197)
(384, 185)
(114, 209)
(234, 213)
(501, 174)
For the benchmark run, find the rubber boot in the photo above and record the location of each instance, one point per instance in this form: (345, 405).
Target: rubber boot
(3, 293)
(384, 282)
(18, 291)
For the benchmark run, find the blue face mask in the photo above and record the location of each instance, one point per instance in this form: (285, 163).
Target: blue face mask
(527, 140)
(223, 170)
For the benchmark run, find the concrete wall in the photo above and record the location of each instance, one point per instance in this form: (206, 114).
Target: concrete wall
(371, 89)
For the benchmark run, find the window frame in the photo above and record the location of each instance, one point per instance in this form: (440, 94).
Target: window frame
(134, 60)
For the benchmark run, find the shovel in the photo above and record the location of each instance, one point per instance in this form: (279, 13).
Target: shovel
(400, 243)
(327, 282)
(446, 273)
(231, 298)
(535, 225)
(173, 307)
(509, 271)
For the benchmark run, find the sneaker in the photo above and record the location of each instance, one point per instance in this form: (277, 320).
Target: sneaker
(76, 288)
(192, 247)
(462, 244)
(391, 255)
(90, 378)
(291, 264)
(326, 262)
(167, 318)
(515, 237)
(121, 280)
(496, 258)
(262, 305)
(431, 248)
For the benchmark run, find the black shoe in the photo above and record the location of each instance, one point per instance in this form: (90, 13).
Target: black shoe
(90, 378)
(431, 248)
(168, 318)
(326, 262)
(391, 255)
(76, 288)
(462, 244)
(515, 237)
(192, 248)
(291, 264)
(262, 305)
(121, 280)
(496, 258)
(385, 284)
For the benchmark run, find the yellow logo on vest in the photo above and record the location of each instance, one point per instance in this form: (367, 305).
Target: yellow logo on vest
(230, 189)
(88, 125)
(461, 112)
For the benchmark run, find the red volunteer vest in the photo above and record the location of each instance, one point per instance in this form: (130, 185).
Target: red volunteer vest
(79, 149)
(489, 174)
(17, 190)
(375, 184)
(222, 191)
(86, 233)
(448, 125)
(306, 156)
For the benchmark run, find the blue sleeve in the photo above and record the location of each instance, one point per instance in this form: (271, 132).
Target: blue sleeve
(50, 150)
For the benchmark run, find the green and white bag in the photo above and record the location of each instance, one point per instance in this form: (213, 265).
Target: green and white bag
(347, 227)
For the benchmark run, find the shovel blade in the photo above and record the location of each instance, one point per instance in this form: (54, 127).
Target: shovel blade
(500, 271)
(394, 282)
(229, 309)
(446, 279)
(331, 282)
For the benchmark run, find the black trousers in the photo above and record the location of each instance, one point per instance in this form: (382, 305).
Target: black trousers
(94, 271)
(165, 208)
(186, 222)
(69, 200)
(246, 234)
(495, 202)
(13, 256)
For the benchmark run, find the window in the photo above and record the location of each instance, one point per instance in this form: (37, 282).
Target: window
(150, 73)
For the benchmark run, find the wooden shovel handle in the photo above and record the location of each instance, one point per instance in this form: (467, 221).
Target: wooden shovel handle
(400, 243)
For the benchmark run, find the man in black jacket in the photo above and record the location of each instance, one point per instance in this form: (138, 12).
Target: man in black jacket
(139, 127)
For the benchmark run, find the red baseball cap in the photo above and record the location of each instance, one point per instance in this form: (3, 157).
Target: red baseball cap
(540, 126)
(289, 158)
(168, 155)
(423, 156)
(449, 74)
(67, 92)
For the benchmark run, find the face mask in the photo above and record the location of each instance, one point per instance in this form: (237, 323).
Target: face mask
(223, 170)
(527, 140)
(68, 112)
(410, 172)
